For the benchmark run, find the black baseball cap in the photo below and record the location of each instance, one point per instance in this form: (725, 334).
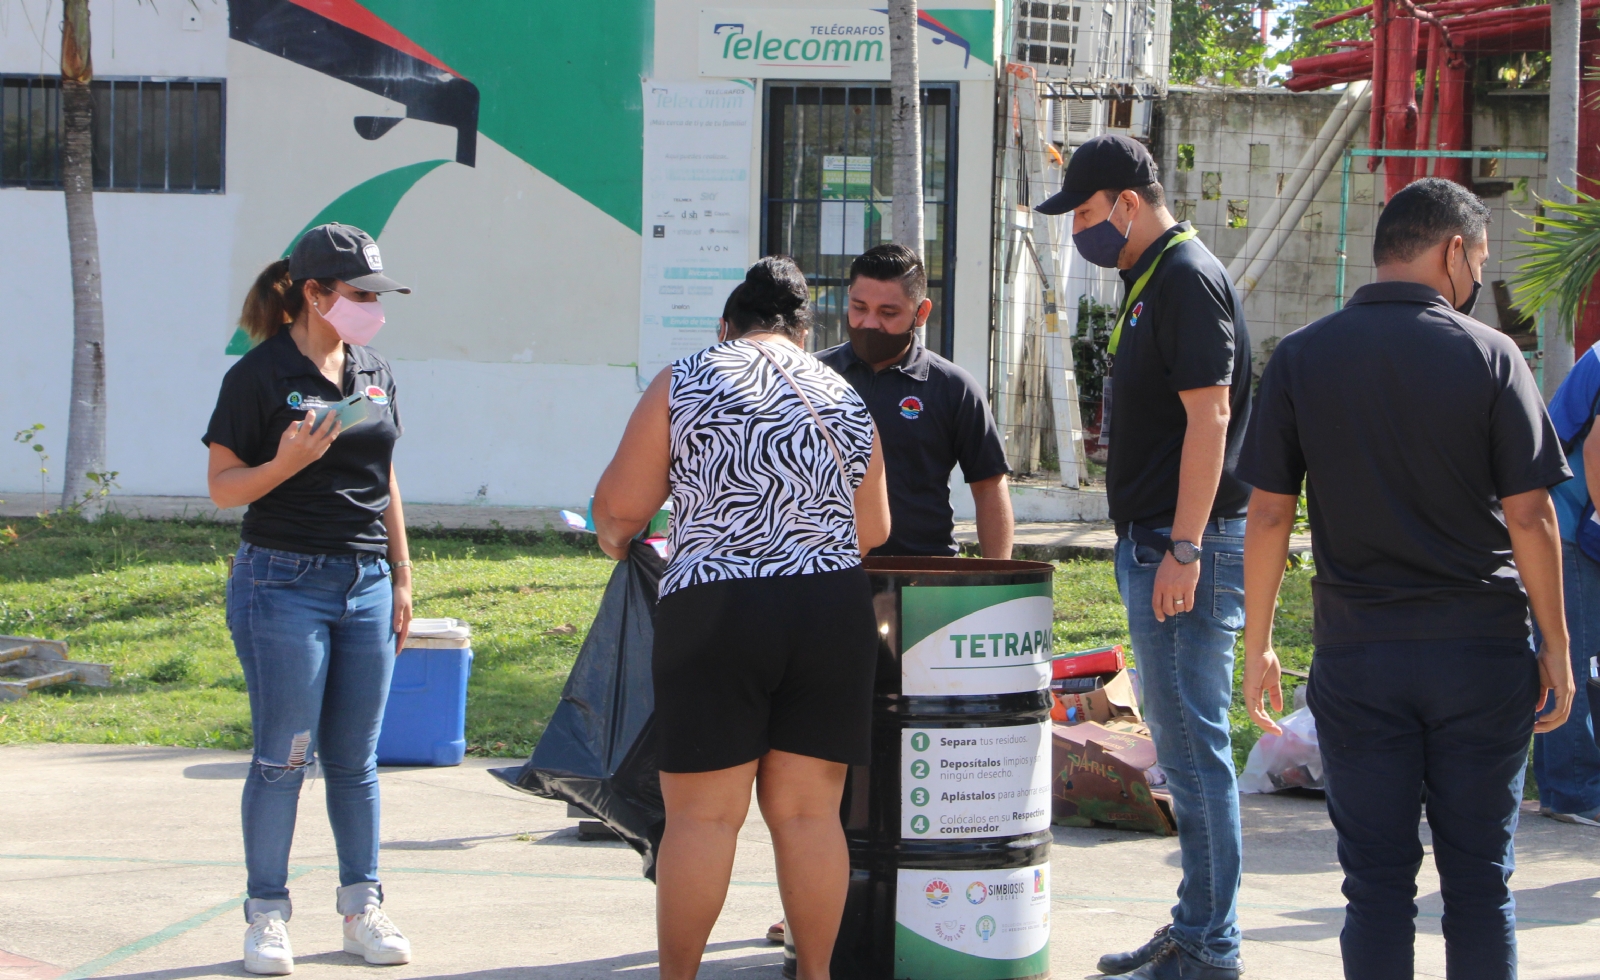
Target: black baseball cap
(345, 252)
(1105, 163)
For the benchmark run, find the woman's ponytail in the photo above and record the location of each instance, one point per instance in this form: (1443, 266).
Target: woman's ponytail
(266, 305)
(274, 301)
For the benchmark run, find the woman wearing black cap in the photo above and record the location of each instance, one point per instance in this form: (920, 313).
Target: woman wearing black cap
(319, 597)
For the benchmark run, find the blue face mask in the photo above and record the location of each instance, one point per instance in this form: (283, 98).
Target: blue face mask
(1102, 243)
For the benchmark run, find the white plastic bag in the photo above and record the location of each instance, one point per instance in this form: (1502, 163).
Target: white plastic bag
(1290, 760)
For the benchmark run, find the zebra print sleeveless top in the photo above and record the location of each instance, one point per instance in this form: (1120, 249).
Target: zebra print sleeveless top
(756, 491)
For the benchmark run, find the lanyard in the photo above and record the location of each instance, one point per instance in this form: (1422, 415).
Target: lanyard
(1138, 287)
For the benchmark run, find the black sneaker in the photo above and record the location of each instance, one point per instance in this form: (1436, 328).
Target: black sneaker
(1113, 964)
(1172, 962)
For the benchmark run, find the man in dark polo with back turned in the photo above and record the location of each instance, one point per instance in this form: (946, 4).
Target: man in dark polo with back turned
(930, 413)
(1426, 456)
(1180, 398)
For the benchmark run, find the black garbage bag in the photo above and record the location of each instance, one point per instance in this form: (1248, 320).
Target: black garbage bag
(597, 752)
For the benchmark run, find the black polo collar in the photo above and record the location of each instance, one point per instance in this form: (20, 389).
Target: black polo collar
(1131, 276)
(288, 362)
(1399, 291)
(915, 364)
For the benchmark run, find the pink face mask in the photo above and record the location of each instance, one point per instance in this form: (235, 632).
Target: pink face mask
(355, 323)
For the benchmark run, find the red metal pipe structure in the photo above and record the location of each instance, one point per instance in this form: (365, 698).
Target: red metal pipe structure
(1457, 33)
(1425, 121)
(1378, 63)
(1399, 101)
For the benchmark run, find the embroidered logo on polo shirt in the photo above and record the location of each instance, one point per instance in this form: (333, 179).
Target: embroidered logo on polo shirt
(377, 395)
(295, 399)
(910, 406)
(1138, 310)
(374, 261)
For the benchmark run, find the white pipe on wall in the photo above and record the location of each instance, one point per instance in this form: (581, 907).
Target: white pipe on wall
(1357, 96)
(1290, 216)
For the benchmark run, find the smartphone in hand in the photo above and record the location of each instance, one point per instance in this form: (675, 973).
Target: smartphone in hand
(351, 411)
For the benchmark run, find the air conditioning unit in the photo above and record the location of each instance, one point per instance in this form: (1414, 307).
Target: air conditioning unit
(1094, 42)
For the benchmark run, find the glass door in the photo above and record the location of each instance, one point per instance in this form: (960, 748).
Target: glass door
(828, 195)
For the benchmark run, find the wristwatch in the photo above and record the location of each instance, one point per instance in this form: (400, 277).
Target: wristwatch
(1185, 552)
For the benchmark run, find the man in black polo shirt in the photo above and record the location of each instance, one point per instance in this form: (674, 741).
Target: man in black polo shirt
(1426, 455)
(930, 413)
(1179, 400)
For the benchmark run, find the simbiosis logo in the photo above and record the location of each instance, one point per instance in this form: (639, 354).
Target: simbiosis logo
(831, 44)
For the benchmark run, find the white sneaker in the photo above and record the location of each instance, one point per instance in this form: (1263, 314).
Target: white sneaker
(375, 938)
(266, 946)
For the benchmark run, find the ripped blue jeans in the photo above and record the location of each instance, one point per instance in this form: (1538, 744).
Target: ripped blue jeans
(315, 636)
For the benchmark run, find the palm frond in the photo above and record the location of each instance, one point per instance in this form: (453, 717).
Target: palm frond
(1562, 259)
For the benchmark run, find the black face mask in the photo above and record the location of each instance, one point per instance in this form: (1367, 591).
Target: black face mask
(877, 346)
(1465, 309)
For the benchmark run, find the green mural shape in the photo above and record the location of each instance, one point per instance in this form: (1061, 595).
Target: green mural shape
(367, 205)
(559, 84)
(977, 26)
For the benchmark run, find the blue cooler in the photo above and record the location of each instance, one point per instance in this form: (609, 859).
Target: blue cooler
(425, 722)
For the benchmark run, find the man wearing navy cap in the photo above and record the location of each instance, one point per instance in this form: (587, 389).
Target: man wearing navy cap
(1176, 406)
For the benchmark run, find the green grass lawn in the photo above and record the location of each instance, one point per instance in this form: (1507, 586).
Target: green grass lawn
(146, 597)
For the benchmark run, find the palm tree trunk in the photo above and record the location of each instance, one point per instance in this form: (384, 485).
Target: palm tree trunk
(86, 421)
(905, 89)
(1563, 168)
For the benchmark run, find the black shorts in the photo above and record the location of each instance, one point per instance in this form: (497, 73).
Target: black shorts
(747, 665)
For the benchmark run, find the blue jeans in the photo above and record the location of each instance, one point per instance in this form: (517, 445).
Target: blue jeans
(315, 636)
(1451, 716)
(1566, 762)
(1186, 667)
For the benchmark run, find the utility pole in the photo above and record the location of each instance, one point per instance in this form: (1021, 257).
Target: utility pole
(86, 419)
(1564, 30)
(905, 89)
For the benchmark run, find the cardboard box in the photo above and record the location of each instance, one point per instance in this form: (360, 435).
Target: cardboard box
(1115, 700)
(1102, 776)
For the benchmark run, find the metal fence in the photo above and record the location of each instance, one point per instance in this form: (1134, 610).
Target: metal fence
(1260, 174)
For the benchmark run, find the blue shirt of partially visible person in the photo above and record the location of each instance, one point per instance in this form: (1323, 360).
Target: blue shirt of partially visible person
(1572, 407)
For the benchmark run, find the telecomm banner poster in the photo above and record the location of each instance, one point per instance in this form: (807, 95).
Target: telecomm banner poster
(697, 145)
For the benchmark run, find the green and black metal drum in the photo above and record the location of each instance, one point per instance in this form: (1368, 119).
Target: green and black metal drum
(949, 826)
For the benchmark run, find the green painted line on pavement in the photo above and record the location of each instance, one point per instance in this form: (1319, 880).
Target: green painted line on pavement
(156, 938)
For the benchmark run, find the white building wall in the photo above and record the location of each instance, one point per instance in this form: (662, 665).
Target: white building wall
(165, 259)
(515, 354)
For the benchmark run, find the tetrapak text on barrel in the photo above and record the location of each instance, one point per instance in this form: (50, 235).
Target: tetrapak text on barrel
(975, 639)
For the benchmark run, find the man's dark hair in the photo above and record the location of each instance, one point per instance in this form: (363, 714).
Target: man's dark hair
(1425, 213)
(890, 262)
(1151, 194)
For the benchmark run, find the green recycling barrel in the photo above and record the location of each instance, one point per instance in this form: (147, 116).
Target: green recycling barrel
(949, 825)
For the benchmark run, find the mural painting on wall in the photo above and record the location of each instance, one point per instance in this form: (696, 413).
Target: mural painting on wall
(344, 40)
(498, 72)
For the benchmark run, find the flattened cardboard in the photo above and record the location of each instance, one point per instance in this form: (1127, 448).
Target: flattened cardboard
(1100, 778)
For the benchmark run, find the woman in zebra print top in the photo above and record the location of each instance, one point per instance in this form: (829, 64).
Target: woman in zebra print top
(765, 633)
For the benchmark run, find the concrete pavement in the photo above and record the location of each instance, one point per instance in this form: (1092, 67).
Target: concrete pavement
(125, 862)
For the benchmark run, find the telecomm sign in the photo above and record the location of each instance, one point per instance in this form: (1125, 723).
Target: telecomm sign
(847, 43)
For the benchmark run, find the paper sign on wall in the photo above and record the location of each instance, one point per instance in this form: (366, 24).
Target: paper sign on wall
(697, 145)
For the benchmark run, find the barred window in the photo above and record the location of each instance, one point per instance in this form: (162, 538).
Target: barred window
(151, 135)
